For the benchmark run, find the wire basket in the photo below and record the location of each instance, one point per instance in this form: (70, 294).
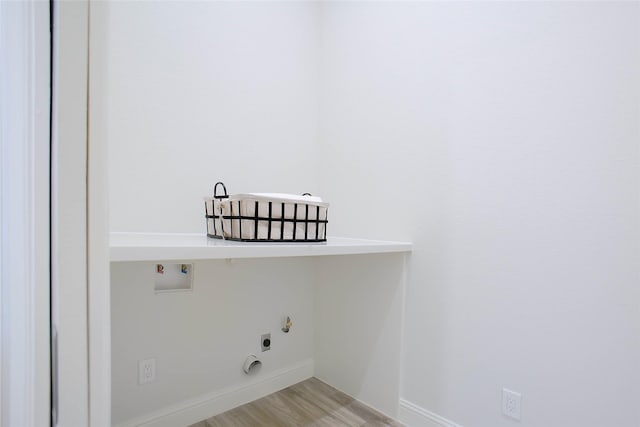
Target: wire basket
(265, 217)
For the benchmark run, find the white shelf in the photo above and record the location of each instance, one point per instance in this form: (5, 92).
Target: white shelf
(174, 247)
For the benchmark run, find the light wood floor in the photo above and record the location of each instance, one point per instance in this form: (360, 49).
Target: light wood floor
(310, 403)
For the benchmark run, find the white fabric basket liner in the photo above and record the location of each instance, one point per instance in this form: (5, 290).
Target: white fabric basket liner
(280, 198)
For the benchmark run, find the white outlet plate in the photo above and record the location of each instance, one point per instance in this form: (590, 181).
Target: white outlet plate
(146, 371)
(511, 404)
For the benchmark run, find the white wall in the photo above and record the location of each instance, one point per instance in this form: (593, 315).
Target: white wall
(190, 93)
(503, 140)
(500, 137)
(197, 92)
(201, 338)
(359, 303)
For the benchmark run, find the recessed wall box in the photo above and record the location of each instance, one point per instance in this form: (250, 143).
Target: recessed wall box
(173, 277)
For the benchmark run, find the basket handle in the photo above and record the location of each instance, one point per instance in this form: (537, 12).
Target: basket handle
(306, 194)
(215, 191)
(219, 197)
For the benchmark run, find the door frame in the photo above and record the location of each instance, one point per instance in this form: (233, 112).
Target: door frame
(54, 251)
(24, 213)
(81, 291)
(69, 214)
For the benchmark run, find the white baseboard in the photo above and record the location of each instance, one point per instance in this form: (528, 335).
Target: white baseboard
(414, 416)
(203, 407)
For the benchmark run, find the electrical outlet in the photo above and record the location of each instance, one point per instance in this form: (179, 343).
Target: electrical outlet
(511, 404)
(146, 371)
(265, 342)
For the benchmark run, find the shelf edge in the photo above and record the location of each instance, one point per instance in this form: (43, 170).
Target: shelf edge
(173, 246)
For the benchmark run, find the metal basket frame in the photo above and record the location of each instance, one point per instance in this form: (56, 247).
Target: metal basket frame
(235, 219)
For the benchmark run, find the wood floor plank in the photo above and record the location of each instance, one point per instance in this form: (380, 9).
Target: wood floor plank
(310, 403)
